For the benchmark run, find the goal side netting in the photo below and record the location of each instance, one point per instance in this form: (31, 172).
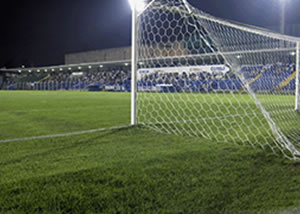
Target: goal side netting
(202, 76)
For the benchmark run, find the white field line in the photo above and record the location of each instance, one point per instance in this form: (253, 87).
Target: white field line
(63, 109)
(64, 134)
(120, 127)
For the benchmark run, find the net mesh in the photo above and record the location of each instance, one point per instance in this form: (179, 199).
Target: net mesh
(206, 77)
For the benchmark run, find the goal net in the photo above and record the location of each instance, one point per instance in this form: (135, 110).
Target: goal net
(206, 77)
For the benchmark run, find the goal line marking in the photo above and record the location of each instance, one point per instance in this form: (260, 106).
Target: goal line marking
(65, 134)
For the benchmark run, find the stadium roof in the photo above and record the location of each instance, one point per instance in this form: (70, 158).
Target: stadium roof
(69, 67)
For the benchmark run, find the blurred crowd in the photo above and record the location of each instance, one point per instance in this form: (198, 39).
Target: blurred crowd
(119, 79)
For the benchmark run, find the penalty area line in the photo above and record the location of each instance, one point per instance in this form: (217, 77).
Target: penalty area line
(65, 134)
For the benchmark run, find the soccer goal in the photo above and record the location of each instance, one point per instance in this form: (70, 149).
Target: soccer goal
(197, 75)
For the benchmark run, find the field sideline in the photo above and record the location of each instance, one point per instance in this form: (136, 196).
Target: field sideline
(133, 170)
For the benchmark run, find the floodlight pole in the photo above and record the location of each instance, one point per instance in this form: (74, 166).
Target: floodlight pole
(133, 65)
(297, 76)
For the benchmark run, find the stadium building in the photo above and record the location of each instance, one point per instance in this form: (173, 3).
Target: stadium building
(78, 72)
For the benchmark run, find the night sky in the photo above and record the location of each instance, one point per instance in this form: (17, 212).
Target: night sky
(38, 33)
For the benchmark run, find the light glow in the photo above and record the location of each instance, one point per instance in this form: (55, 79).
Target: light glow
(138, 5)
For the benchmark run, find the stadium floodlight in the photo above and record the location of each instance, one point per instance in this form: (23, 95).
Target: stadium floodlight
(29, 71)
(79, 68)
(90, 67)
(282, 15)
(20, 71)
(70, 69)
(101, 66)
(46, 70)
(138, 5)
(126, 64)
(52, 69)
(38, 71)
(61, 69)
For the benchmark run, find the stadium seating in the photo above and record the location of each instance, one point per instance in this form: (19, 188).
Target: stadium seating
(258, 77)
(117, 79)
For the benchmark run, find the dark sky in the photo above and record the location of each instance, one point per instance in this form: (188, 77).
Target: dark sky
(41, 32)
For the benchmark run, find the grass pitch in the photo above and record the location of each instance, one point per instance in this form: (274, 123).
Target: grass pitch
(128, 171)
(27, 113)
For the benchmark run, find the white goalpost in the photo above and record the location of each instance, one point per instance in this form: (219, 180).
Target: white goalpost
(197, 75)
(133, 62)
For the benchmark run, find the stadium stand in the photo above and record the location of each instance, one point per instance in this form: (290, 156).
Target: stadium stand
(271, 77)
(117, 78)
(1, 80)
(111, 79)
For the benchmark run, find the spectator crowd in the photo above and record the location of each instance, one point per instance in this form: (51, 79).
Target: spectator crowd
(260, 77)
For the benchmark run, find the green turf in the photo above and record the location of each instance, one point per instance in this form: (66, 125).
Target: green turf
(27, 113)
(223, 117)
(133, 170)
